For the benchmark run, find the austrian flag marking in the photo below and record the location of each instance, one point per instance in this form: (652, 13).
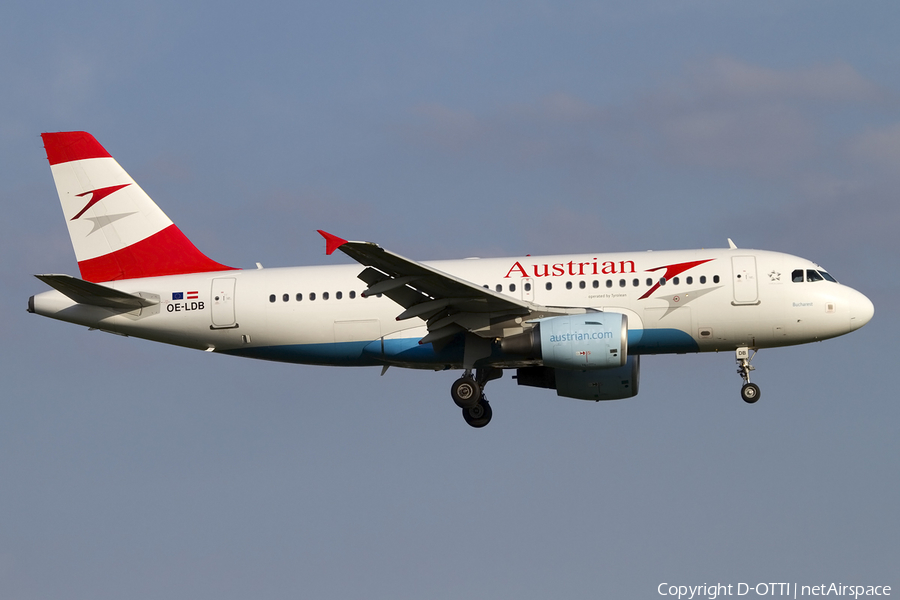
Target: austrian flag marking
(183, 295)
(185, 302)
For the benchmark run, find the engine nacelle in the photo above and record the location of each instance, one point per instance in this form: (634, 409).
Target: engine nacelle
(608, 384)
(578, 342)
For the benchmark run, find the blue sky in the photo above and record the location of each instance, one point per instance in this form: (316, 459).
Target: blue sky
(131, 469)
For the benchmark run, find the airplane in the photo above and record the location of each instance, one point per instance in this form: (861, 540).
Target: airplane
(576, 324)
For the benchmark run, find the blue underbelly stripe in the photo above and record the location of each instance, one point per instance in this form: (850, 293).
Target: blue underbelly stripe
(409, 352)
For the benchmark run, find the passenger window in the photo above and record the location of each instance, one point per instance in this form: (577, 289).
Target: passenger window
(338, 295)
(675, 281)
(299, 297)
(797, 276)
(582, 284)
(715, 279)
(662, 281)
(272, 298)
(609, 283)
(813, 275)
(621, 283)
(596, 284)
(636, 282)
(512, 287)
(649, 281)
(498, 288)
(689, 280)
(312, 296)
(568, 285)
(527, 287)
(549, 286)
(703, 279)
(352, 295)
(285, 298)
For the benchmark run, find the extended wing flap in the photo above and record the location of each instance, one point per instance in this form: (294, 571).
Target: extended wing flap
(85, 292)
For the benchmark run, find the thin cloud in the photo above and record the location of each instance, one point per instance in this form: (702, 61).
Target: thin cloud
(766, 122)
(448, 129)
(762, 139)
(720, 113)
(559, 130)
(878, 146)
(727, 77)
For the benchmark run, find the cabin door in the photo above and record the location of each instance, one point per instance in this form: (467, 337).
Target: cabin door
(222, 303)
(743, 270)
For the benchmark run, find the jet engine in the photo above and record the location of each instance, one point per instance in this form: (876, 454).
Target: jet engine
(584, 356)
(579, 342)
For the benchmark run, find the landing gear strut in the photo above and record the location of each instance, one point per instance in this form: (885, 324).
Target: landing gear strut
(749, 391)
(468, 394)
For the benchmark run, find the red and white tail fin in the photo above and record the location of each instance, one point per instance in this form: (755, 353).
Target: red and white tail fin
(117, 231)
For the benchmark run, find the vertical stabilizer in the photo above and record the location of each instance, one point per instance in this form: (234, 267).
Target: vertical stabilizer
(117, 231)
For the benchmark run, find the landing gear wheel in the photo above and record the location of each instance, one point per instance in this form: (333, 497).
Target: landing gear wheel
(466, 392)
(479, 415)
(750, 393)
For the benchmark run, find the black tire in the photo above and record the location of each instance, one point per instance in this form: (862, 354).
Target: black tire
(750, 393)
(466, 392)
(479, 415)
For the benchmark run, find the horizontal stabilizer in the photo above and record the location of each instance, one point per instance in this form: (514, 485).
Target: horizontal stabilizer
(85, 292)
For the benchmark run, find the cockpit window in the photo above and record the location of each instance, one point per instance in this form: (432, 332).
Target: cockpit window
(812, 275)
(797, 276)
(827, 276)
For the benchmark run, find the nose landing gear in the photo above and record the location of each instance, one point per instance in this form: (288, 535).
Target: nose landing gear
(468, 394)
(749, 391)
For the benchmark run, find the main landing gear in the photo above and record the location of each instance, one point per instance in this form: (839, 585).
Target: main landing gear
(468, 394)
(749, 391)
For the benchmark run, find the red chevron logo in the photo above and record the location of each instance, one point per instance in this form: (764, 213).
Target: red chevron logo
(98, 195)
(672, 271)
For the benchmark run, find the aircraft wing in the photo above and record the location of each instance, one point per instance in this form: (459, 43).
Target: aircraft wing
(449, 305)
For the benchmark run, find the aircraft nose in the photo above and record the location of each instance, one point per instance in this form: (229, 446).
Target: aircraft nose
(861, 310)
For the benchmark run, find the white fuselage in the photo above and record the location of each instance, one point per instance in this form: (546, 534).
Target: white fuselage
(711, 300)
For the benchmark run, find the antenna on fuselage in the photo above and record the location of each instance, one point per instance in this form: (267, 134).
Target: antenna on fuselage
(731, 244)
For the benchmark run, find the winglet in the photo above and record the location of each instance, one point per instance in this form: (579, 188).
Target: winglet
(332, 242)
